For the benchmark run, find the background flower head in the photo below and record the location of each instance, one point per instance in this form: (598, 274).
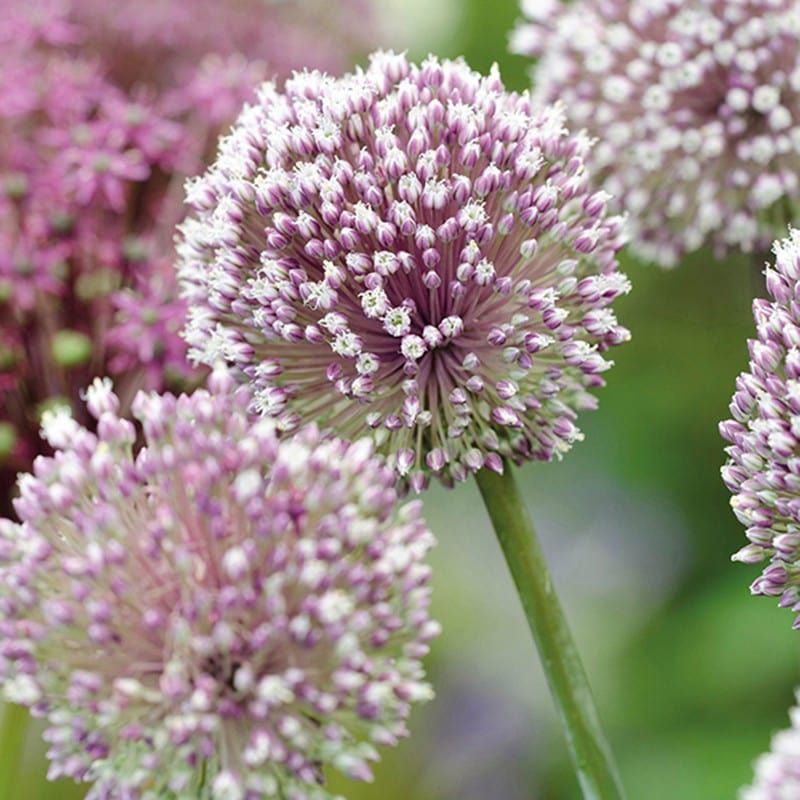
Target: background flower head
(696, 107)
(104, 109)
(777, 773)
(763, 470)
(220, 615)
(410, 250)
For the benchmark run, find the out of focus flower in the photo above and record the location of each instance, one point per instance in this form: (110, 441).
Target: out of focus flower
(159, 38)
(778, 772)
(410, 250)
(763, 470)
(221, 615)
(696, 107)
(160, 43)
(104, 109)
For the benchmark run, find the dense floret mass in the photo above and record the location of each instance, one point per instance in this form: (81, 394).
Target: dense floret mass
(763, 470)
(696, 107)
(408, 250)
(220, 615)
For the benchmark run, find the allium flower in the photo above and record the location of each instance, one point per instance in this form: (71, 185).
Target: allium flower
(696, 106)
(763, 470)
(778, 772)
(104, 109)
(412, 250)
(219, 616)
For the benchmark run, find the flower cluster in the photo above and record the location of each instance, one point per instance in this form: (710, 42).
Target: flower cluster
(696, 105)
(763, 470)
(160, 43)
(777, 773)
(408, 250)
(104, 109)
(218, 616)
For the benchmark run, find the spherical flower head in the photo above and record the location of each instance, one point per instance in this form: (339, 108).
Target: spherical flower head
(220, 616)
(777, 773)
(412, 251)
(763, 469)
(696, 107)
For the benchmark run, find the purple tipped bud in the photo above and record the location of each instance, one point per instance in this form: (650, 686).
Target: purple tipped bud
(762, 470)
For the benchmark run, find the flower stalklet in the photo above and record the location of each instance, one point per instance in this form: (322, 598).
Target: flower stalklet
(763, 470)
(104, 109)
(410, 250)
(696, 105)
(777, 773)
(220, 616)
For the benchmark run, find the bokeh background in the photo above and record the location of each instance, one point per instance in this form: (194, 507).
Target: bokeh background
(691, 674)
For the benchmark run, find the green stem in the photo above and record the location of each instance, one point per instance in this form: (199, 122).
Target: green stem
(13, 725)
(590, 752)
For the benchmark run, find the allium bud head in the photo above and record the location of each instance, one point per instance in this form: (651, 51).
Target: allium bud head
(764, 434)
(222, 614)
(419, 241)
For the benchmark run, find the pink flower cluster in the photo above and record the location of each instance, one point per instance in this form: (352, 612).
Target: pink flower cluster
(104, 109)
(412, 251)
(217, 615)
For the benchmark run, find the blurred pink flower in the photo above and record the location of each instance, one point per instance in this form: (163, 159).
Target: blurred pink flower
(777, 773)
(104, 109)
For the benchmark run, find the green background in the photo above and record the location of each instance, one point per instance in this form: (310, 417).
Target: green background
(691, 674)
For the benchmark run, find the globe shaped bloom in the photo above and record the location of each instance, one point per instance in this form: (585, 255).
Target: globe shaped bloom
(777, 773)
(105, 108)
(696, 106)
(222, 614)
(408, 250)
(763, 470)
